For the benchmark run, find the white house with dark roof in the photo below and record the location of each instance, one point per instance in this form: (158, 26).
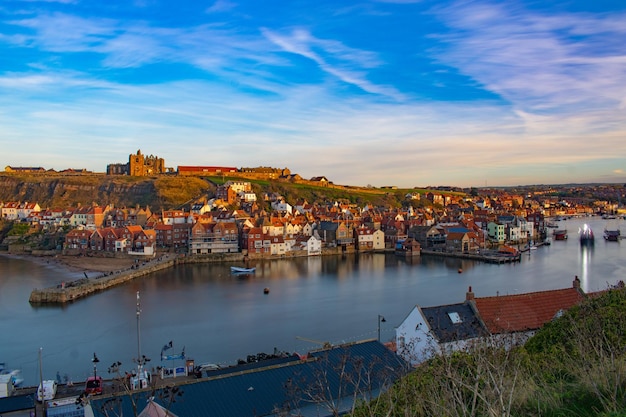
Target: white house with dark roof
(431, 330)
(428, 331)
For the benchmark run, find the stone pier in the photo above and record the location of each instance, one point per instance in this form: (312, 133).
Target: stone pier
(74, 290)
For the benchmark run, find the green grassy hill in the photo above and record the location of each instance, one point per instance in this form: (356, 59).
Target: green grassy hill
(170, 191)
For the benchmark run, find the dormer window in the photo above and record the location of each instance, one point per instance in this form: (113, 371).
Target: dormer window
(454, 317)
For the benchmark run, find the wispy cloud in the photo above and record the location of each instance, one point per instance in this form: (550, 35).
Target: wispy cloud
(333, 57)
(221, 6)
(541, 64)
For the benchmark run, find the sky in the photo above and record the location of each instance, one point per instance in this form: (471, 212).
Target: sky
(405, 93)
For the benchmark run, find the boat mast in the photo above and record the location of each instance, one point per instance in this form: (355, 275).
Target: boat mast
(139, 363)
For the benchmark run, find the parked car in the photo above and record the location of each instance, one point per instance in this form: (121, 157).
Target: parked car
(49, 390)
(93, 385)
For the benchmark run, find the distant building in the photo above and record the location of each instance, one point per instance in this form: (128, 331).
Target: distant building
(139, 165)
(23, 170)
(205, 170)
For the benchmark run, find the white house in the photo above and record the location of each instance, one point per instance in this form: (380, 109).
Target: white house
(247, 196)
(314, 246)
(26, 208)
(429, 331)
(9, 210)
(277, 245)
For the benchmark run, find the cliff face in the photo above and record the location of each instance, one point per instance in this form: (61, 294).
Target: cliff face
(53, 190)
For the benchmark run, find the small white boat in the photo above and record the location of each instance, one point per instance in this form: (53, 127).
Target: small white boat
(16, 374)
(241, 270)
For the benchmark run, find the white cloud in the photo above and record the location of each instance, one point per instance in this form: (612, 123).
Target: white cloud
(345, 63)
(221, 6)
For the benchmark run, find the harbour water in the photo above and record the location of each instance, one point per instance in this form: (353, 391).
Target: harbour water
(218, 317)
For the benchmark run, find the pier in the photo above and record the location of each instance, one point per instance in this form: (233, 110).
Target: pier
(70, 291)
(489, 257)
(67, 292)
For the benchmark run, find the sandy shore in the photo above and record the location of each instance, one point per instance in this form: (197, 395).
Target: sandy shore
(74, 265)
(94, 264)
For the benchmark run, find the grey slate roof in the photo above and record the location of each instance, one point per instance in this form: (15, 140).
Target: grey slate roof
(17, 403)
(291, 385)
(445, 330)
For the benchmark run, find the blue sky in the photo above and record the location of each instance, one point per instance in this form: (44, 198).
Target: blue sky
(387, 92)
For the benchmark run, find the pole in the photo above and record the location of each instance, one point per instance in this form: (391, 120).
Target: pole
(139, 363)
(43, 400)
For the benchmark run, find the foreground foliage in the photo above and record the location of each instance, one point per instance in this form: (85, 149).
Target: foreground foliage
(574, 366)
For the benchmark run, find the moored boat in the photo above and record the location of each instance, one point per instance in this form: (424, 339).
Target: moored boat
(241, 270)
(612, 235)
(586, 235)
(16, 374)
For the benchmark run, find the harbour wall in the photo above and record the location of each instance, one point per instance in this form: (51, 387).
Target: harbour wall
(68, 292)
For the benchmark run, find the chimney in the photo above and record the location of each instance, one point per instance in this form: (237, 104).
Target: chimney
(469, 296)
(576, 282)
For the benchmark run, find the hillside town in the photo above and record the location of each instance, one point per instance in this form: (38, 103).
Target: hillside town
(236, 220)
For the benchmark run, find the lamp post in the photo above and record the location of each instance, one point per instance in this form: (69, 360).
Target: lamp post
(381, 319)
(95, 360)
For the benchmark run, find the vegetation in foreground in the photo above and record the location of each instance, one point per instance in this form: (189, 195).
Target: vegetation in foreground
(574, 366)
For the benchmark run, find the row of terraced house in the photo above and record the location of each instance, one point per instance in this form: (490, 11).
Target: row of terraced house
(459, 225)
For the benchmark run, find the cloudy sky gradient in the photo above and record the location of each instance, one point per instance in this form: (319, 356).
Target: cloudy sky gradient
(387, 92)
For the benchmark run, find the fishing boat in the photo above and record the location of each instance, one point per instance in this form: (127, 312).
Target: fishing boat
(241, 270)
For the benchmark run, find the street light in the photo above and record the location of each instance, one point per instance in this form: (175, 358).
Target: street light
(381, 319)
(95, 360)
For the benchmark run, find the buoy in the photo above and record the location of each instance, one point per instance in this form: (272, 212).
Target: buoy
(266, 290)
(460, 270)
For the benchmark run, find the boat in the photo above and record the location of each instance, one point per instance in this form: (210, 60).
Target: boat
(612, 235)
(241, 270)
(560, 234)
(586, 235)
(16, 374)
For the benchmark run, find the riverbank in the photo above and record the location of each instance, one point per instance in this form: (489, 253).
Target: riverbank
(83, 275)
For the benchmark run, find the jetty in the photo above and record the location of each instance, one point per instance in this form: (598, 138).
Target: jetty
(70, 291)
(490, 257)
(66, 292)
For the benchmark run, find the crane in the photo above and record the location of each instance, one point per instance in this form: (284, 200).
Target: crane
(325, 345)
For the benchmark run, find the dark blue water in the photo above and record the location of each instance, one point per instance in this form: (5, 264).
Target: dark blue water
(219, 318)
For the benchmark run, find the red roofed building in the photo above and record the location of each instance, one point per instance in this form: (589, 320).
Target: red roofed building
(525, 312)
(429, 330)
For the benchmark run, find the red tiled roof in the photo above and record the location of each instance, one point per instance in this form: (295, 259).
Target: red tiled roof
(522, 312)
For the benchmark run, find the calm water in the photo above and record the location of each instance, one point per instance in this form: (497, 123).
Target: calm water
(219, 318)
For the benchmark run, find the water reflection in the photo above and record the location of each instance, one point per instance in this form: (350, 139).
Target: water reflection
(586, 254)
